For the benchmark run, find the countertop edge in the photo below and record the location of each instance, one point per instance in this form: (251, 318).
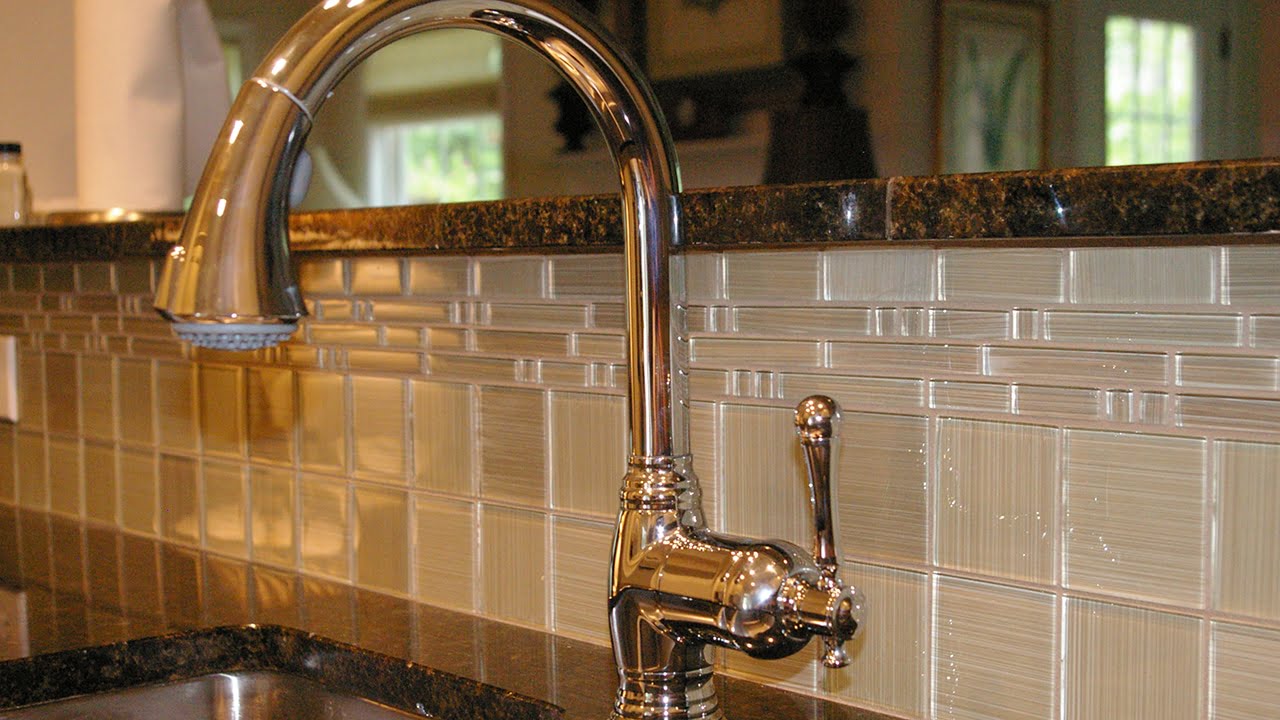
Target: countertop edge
(1197, 203)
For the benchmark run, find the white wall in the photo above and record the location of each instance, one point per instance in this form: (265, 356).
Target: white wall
(37, 95)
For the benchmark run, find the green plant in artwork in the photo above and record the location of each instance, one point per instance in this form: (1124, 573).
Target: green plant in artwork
(995, 92)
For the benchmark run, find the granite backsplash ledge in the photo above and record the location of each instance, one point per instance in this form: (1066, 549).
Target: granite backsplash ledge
(1123, 205)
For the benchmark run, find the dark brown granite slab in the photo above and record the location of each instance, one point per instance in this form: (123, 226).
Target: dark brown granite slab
(1211, 202)
(191, 654)
(772, 215)
(72, 611)
(1193, 199)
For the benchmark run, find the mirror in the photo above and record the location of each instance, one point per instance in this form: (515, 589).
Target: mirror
(907, 87)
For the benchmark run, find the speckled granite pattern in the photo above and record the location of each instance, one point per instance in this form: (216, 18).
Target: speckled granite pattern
(181, 656)
(185, 616)
(98, 241)
(785, 215)
(1092, 205)
(1195, 199)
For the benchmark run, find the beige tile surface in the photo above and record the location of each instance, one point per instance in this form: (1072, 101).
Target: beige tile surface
(763, 463)
(321, 420)
(704, 443)
(513, 441)
(378, 412)
(1124, 662)
(904, 359)
(1228, 413)
(323, 277)
(1144, 328)
(997, 487)
(325, 525)
(522, 277)
(588, 451)
(881, 487)
(755, 276)
(947, 323)
(225, 507)
(806, 321)
(98, 407)
(1249, 275)
(737, 352)
(444, 437)
(271, 410)
(273, 501)
(959, 395)
(1011, 276)
(445, 552)
(439, 276)
(381, 539)
(579, 583)
(139, 491)
(1135, 515)
(1229, 371)
(587, 275)
(376, 275)
(799, 672)
(31, 389)
(100, 487)
(175, 405)
(222, 413)
(65, 489)
(1242, 666)
(890, 659)
(62, 388)
(180, 499)
(514, 565)
(1144, 275)
(135, 423)
(1248, 561)
(878, 275)
(994, 650)
(1055, 365)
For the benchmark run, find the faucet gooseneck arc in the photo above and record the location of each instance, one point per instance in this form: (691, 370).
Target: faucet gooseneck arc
(674, 586)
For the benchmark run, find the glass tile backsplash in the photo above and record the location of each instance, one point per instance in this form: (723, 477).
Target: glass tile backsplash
(1057, 483)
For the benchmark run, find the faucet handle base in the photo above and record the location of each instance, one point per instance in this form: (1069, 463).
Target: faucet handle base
(682, 695)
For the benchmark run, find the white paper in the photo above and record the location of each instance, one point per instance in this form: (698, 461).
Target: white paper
(151, 93)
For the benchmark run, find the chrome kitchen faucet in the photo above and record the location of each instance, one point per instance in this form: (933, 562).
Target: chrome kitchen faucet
(674, 586)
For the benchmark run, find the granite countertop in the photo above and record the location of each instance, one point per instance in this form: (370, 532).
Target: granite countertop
(1183, 203)
(90, 586)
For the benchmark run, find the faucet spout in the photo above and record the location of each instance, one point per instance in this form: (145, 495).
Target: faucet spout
(231, 274)
(674, 587)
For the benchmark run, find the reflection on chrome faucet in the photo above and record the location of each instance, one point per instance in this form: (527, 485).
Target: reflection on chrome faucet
(674, 586)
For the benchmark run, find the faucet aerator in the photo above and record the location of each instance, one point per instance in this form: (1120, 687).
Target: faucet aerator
(234, 336)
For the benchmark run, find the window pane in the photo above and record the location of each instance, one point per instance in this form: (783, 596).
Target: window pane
(439, 161)
(1150, 76)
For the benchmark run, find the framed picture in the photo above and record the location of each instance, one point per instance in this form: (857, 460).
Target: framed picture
(709, 61)
(991, 97)
(685, 38)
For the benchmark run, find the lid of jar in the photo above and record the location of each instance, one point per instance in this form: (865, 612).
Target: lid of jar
(10, 147)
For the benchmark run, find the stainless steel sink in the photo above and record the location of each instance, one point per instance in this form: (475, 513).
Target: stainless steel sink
(248, 672)
(252, 695)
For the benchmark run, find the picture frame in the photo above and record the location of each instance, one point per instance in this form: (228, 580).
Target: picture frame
(710, 61)
(685, 38)
(991, 91)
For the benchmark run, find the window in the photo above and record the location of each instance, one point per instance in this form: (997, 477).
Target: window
(1150, 91)
(455, 159)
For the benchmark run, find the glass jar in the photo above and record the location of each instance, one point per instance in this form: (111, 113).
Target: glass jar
(15, 195)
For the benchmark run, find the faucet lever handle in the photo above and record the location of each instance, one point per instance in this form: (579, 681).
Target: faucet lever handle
(817, 418)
